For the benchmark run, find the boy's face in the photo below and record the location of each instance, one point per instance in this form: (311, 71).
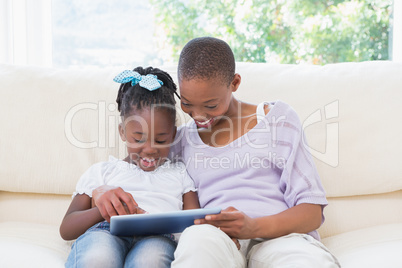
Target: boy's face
(207, 101)
(148, 134)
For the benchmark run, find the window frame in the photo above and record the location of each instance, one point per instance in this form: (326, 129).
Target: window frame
(397, 32)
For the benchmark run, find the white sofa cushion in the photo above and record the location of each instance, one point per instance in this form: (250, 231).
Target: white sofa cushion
(40, 245)
(374, 247)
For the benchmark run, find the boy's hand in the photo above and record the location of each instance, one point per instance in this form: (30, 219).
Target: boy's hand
(112, 201)
(233, 222)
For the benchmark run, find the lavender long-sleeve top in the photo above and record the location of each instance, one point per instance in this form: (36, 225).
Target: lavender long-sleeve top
(264, 172)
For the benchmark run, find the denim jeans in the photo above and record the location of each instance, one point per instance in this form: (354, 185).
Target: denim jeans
(98, 248)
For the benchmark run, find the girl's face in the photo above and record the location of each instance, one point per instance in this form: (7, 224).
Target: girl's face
(207, 101)
(148, 134)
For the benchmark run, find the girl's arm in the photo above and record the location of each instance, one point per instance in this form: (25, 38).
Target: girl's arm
(302, 218)
(79, 217)
(190, 200)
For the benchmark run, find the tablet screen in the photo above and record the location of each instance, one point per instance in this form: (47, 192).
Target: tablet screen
(157, 223)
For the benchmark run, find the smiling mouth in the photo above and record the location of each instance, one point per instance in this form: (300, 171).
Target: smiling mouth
(148, 162)
(204, 123)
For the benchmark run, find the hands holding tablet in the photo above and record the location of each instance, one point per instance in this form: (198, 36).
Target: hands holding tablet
(112, 201)
(232, 222)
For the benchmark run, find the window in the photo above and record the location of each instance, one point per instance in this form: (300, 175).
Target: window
(302, 31)
(396, 31)
(107, 33)
(125, 33)
(25, 32)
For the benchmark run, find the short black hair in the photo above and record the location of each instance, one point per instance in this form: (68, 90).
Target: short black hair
(205, 58)
(137, 97)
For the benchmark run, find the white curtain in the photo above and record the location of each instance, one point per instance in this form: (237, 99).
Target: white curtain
(26, 32)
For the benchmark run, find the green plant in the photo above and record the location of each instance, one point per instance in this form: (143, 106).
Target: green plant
(311, 31)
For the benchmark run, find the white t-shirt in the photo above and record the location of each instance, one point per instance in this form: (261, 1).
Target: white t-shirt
(155, 191)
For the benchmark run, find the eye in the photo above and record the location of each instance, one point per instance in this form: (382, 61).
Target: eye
(185, 104)
(211, 106)
(139, 141)
(161, 142)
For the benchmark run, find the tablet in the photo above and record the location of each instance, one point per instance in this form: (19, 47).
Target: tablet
(157, 223)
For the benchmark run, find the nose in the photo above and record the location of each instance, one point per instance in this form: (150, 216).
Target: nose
(149, 148)
(198, 114)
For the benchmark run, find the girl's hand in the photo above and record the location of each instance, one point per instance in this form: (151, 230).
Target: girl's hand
(112, 201)
(233, 222)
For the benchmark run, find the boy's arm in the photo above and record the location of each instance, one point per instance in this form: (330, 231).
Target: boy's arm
(190, 200)
(302, 218)
(79, 217)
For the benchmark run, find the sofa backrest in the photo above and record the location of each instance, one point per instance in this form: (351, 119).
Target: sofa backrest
(349, 112)
(56, 123)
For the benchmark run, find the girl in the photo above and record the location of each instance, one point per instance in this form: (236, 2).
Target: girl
(147, 107)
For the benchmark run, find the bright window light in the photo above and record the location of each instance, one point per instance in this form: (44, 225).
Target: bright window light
(103, 33)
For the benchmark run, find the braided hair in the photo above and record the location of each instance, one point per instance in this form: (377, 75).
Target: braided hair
(136, 97)
(207, 58)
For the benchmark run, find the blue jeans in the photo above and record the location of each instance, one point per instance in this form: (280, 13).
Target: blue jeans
(98, 248)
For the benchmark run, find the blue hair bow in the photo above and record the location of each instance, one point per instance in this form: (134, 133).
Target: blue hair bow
(149, 81)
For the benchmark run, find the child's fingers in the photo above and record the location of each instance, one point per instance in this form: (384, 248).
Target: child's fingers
(227, 214)
(118, 206)
(122, 202)
(200, 221)
(215, 219)
(110, 211)
(126, 209)
(218, 223)
(124, 196)
(141, 211)
(225, 219)
(223, 216)
(129, 201)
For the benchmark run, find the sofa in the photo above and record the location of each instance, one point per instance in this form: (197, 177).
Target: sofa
(55, 123)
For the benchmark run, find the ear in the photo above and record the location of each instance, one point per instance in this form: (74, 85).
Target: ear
(121, 132)
(234, 85)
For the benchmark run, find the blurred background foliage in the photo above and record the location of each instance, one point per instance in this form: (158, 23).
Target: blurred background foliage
(299, 31)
